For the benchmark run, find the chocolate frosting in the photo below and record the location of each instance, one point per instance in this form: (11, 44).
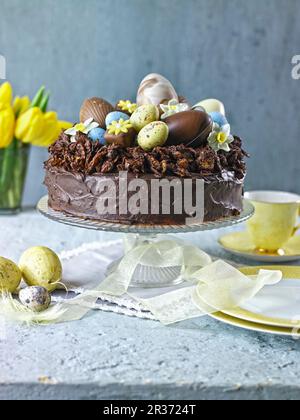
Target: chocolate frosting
(76, 170)
(77, 194)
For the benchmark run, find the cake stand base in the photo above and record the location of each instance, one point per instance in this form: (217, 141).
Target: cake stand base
(136, 235)
(147, 277)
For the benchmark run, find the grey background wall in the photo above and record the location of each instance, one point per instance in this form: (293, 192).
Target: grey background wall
(237, 50)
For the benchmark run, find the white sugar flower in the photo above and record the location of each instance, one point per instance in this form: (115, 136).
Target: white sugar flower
(84, 128)
(172, 108)
(220, 138)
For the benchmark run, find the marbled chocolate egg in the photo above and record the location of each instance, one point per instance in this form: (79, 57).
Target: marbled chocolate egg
(96, 108)
(191, 128)
(36, 298)
(155, 89)
(153, 135)
(211, 105)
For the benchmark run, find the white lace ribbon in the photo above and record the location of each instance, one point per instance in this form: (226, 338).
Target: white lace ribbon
(209, 287)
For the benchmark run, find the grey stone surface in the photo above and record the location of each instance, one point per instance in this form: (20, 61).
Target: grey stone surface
(237, 50)
(113, 356)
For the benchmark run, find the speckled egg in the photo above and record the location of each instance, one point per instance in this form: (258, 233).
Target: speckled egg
(153, 135)
(97, 135)
(40, 266)
(218, 118)
(10, 276)
(36, 298)
(143, 116)
(115, 116)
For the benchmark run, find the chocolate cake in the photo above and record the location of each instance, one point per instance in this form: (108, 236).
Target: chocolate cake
(161, 141)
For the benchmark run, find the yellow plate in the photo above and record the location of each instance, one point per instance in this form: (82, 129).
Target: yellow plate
(245, 315)
(240, 244)
(252, 326)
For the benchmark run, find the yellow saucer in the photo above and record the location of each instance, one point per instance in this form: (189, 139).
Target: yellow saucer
(251, 326)
(240, 244)
(258, 314)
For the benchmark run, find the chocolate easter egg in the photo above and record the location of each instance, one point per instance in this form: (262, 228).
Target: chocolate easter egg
(123, 139)
(191, 128)
(155, 89)
(96, 108)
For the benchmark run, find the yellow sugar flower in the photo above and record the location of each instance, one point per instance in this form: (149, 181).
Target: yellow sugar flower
(117, 127)
(79, 127)
(127, 106)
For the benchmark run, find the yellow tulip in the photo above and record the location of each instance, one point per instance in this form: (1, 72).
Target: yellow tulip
(7, 126)
(54, 128)
(65, 125)
(37, 128)
(6, 95)
(21, 105)
(7, 116)
(51, 130)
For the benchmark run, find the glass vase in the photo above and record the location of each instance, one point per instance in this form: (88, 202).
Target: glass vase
(13, 170)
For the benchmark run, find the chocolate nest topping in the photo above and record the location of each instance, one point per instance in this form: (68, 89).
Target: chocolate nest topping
(88, 157)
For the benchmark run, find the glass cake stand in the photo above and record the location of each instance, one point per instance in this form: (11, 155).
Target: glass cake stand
(145, 276)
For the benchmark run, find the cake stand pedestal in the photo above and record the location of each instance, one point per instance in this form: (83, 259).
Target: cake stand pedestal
(137, 235)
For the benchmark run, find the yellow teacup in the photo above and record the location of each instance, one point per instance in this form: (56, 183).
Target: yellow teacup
(275, 219)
